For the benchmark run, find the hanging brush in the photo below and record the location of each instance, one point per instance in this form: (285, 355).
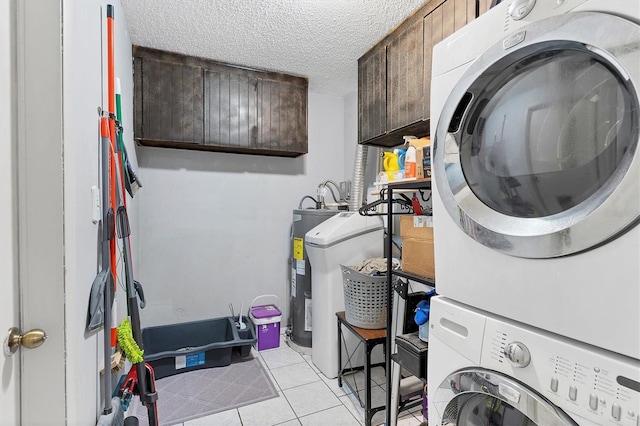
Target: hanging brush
(131, 181)
(118, 360)
(127, 344)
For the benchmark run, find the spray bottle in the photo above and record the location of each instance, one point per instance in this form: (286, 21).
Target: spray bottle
(410, 158)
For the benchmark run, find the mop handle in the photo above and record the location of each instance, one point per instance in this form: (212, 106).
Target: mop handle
(107, 233)
(112, 130)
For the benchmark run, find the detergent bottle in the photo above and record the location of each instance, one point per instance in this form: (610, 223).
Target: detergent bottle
(410, 158)
(390, 163)
(421, 318)
(410, 163)
(402, 153)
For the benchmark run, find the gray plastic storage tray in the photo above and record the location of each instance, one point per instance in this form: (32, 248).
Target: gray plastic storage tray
(412, 354)
(177, 348)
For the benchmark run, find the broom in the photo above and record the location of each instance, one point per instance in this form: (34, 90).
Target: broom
(143, 373)
(131, 180)
(112, 414)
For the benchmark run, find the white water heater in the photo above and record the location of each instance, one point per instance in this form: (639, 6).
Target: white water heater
(301, 294)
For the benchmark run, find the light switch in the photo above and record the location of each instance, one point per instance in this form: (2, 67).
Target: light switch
(95, 201)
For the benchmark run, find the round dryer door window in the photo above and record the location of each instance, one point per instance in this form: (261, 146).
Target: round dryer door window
(549, 133)
(486, 398)
(536, 150)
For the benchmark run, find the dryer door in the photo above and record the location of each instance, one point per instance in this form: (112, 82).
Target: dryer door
(536, 150)
(485, 398)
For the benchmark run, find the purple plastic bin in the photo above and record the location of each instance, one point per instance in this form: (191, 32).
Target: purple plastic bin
(267, 320)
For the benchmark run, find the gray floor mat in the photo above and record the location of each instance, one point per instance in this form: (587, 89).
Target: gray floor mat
(200, 393)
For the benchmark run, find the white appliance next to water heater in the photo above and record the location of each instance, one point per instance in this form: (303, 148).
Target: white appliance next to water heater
(345, 239)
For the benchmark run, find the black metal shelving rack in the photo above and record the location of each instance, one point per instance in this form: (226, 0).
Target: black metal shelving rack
(401, 290)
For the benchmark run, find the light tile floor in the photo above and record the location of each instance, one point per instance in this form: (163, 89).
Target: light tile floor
(306, 397)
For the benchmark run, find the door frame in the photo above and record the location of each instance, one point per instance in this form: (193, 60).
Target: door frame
(10, 305)
(40, 208)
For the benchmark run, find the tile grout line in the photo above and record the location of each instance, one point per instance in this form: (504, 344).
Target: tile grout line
(318, 374)
(340, 402)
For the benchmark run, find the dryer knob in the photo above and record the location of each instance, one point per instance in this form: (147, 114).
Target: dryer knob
(521, 8)
(518, 354)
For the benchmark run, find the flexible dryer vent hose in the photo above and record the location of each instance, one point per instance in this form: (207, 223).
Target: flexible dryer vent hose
(357, 190)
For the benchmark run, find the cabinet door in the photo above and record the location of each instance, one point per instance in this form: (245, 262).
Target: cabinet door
(405, 78)
(282, 117)
(432, 35)
(456, 14)
(169, 106)
(483, 6)
(230, 109)
(372, 93)
(245, 112)
(439, 24)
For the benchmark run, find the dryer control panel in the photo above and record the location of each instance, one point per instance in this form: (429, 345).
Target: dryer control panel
(589, 382)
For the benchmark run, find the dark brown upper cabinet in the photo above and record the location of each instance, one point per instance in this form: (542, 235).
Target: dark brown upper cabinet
(439, 24)
(372, 93)
(194, 103)
(405, 54)
(168, 101)
(483, 6)
(394, 77)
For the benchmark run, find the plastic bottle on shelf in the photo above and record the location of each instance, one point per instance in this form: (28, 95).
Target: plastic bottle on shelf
(402, 153)
(410, 163)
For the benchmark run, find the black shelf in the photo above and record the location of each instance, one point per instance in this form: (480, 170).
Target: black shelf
(411, 184)
(414, 277)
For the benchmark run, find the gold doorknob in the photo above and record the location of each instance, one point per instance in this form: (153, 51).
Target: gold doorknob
(30, 340)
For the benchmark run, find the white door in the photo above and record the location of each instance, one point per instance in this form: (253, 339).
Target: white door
(31, 220)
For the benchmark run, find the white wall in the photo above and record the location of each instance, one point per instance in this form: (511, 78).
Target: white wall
(84, 82)
(215, 227)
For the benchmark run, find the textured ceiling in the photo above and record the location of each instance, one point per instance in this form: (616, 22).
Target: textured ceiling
(319, 39)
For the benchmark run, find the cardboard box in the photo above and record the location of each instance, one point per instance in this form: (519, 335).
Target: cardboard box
(421, 143)
(423, 157)
(412, 226)
(417, 257)
(423, 162)
(417, 245)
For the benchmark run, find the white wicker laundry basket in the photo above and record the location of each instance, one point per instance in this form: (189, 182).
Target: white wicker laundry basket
(365, 299)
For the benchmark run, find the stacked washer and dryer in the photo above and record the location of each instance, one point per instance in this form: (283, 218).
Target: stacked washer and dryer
(535, 125)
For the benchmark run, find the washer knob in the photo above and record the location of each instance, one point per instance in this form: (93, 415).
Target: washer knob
(518, 354)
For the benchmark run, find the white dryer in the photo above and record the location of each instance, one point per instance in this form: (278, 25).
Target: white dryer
(535, 126)
(493, 371)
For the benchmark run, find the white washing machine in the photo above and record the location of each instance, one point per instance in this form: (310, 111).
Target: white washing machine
(535, 121)
(493, 371)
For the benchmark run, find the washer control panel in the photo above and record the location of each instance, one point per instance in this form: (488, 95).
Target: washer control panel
(592, 383)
